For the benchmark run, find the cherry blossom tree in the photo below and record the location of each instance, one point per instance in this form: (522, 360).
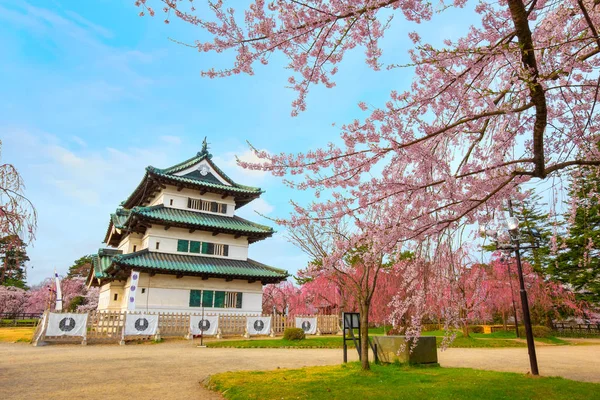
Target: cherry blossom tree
(42, 296)
(351, 255)
(511, 101)
(13, 300)
(17, 214)
(18, 218)
(283, 298)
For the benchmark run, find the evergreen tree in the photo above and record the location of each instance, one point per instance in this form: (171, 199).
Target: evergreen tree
(80, 268)
(14, 256)
(577, 262)
(536, 230)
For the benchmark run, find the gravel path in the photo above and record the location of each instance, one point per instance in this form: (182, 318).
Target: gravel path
(581, 362)
(170, 370)
(175, 369)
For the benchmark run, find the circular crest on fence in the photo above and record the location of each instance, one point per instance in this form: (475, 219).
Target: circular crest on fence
(66, 324)
(259, 325)
(141, 324)
(204, 325)
(306, 326)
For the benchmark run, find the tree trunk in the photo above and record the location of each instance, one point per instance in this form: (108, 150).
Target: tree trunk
(364, 332)
(504, 320)
(463, 313)
(466, 330)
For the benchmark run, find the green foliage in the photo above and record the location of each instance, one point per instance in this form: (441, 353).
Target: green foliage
(395, 382)
(538, 331)
(80, 268)
(13, 254)
(476, 329)
(321, 342)
(578, 261)
(294, 334)
(76, 302)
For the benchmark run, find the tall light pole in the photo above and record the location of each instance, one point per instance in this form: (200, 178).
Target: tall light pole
(512, 296)
(513, 228)
(514, 244)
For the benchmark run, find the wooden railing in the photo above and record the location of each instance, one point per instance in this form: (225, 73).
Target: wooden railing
(577, 329)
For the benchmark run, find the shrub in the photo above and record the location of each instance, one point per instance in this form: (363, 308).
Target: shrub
(293, 334)
(539, 331)
(76, 302)
(476, 329)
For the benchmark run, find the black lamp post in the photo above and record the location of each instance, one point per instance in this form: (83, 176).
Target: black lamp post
(512, 296)
(512, 225)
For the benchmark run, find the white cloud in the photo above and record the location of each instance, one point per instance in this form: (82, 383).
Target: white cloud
(242, 175)
(79, 141)
(258, 206)
(171, 139)
(261, 206)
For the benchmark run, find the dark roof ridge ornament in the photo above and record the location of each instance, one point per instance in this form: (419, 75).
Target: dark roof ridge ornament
(204, 151)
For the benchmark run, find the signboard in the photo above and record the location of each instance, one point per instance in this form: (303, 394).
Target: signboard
(206, 326)
(67, 324)
(351, 320)
(141, 324)
(258, 325)
(308, 325)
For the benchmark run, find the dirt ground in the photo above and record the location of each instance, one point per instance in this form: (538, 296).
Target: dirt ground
(169, 370)
(175, 370)
(580, 363)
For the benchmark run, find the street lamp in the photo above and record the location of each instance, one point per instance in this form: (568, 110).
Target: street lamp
(514, 244)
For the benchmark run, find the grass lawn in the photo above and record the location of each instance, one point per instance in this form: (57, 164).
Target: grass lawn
(16, 334)
(395, 382)
(335, 342)
(325, 342)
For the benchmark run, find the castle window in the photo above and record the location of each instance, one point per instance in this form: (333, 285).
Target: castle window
(194, 247)
(207, 298)
(143, 290)
(195, 298)
(116, 297)
(157, 245)
(216, 299)
(203, 205)
(171, 202)
(183, 245)
(134, 248)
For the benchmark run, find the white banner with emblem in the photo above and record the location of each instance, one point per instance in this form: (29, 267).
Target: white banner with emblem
(206, 326)
(258, 325)
(308, 325)
(67, 324)
(141, 324)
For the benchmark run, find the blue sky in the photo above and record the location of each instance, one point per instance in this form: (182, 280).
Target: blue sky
(92, 94)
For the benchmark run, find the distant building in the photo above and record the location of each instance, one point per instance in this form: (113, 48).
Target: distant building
(177, 245)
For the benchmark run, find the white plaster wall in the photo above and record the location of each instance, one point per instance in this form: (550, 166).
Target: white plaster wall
(106, 299)
(128, 243)
(159, 199)
(238, 248)
(168, 294)
(180, 200)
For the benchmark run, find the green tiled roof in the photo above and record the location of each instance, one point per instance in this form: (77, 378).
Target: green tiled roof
(102, 261)
(199, 265)
(235, 187)
(119, 218)
(242, 194)
(199, 219)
